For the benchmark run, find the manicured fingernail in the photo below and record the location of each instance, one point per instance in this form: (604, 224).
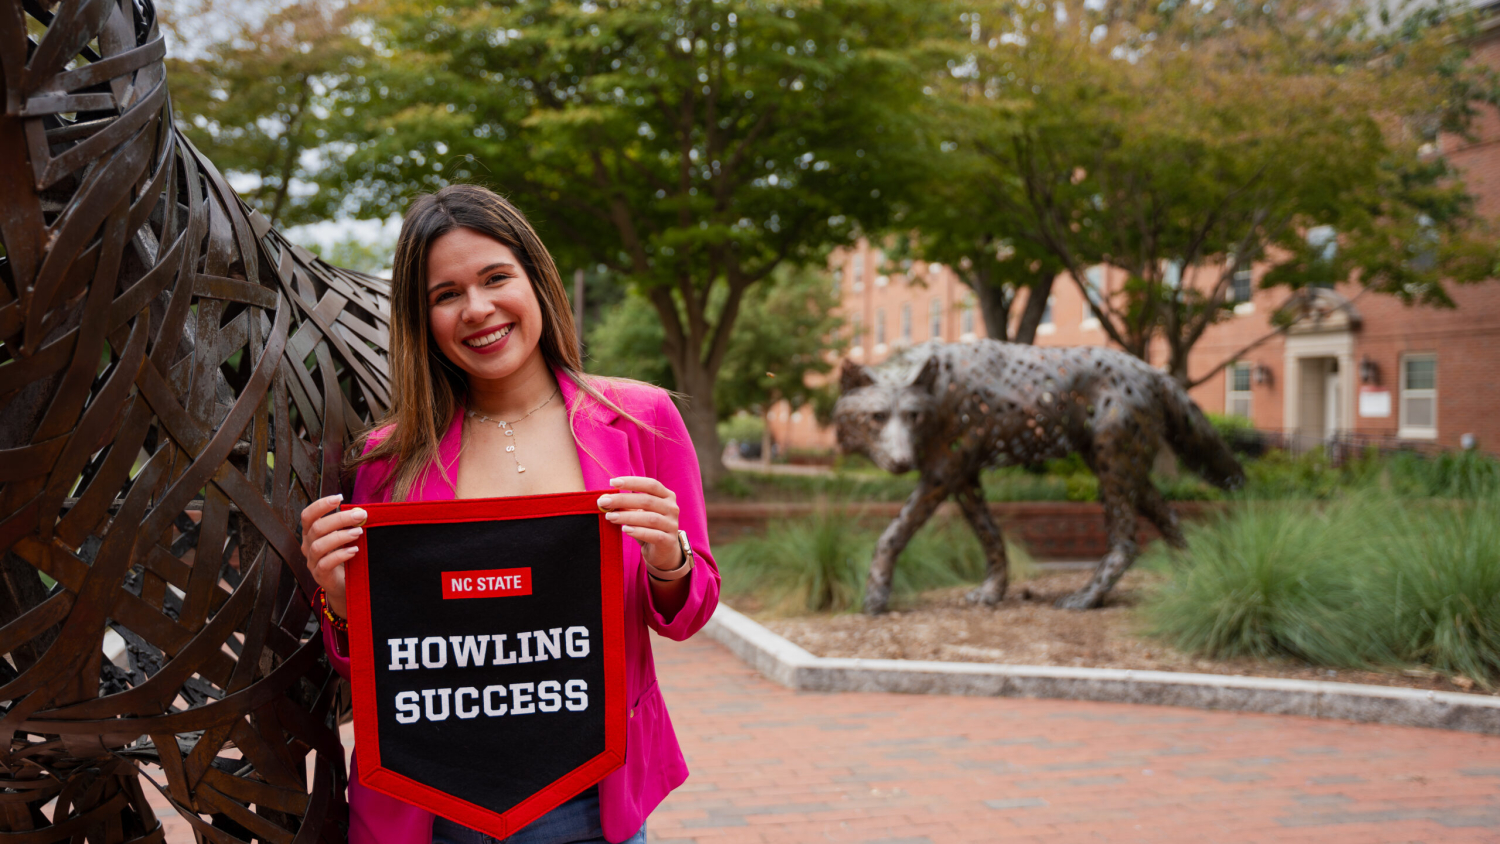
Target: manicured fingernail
(339, 496)
(628, 529)
(356, 530)
(359, 514)
(605, 501)
(612, 516)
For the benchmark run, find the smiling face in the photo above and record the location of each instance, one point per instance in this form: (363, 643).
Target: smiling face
(482, 311)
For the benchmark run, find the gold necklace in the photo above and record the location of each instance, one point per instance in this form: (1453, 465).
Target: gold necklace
(509, 427)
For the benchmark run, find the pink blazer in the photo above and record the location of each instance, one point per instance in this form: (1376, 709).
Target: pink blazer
(608, 447)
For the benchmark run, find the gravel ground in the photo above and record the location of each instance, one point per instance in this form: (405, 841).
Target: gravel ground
(1026, 629)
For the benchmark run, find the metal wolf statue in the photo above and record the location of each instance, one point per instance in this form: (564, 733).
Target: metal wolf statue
(974, 405)
(176, 382)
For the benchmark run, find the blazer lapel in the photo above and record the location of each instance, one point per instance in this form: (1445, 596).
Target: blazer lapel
(440, 481)
(603, 448)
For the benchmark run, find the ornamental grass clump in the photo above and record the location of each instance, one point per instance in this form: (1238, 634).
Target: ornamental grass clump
(1432, 587)
(1261, 580)
(1367, 581)
(819, 563)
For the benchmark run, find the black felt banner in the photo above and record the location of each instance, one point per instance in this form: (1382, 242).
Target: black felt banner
(486, 642)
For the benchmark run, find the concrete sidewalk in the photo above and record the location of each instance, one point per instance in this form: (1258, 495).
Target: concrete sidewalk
(775, 765)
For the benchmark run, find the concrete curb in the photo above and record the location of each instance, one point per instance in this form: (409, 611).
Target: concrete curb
(795, 668)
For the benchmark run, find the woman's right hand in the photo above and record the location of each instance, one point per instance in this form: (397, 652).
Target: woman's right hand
(328, 537)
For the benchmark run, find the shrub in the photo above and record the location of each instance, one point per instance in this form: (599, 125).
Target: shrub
(742, 427)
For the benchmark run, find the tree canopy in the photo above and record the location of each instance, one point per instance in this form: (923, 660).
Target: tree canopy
(690, 147)
(1181, 142)
(261, 99)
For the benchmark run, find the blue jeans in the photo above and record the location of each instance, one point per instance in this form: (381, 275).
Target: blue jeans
(574, 822)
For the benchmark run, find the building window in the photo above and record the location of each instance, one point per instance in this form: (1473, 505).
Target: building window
(880, 326)
(1418, 396)
(1171, 274)
(1048, 324)
(935, 319)
(906, 323)
(1094, 283)
(838, 282)
(966, 321)
(1237, 389)
(1240, 285)
(857, 330)
(859, 275)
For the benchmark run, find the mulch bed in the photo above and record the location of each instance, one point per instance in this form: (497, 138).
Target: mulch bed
(1025, 629)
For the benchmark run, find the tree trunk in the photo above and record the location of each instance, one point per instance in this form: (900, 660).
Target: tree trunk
(702, 421)
(765, 437)
(1036, 306)
(993, 306)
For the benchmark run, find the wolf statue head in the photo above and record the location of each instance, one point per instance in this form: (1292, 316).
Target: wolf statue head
(884, 413)
(177, 381)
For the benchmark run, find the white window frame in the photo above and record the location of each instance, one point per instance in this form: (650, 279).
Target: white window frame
(935, 319)
(1405, 430)
(1247, 395)
(966, 324)
(880, 327)
(1094, 281)
(906, 322)
(1048, 324)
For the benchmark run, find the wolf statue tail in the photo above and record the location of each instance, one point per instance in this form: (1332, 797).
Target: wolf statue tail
(1194, 439)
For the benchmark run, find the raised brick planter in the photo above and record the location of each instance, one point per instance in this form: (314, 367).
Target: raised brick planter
(1051, 530)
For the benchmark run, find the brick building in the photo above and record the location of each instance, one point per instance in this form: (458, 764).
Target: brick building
(1366, 368)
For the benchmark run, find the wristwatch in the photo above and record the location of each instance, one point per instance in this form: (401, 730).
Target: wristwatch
(681, 570)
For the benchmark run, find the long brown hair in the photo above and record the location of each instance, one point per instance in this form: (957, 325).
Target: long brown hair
(427, 388)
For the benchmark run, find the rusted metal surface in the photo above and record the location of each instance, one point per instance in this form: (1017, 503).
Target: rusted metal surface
(950, 410)
(176, 382)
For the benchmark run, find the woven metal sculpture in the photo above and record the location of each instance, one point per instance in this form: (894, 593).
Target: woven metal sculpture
(952, 410)
(177, 381)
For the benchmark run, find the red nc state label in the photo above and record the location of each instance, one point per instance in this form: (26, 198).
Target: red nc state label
(489, 583)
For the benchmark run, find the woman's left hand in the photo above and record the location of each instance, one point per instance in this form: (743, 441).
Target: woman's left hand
(647, 512)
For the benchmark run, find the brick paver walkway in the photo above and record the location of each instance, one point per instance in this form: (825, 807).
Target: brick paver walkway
(774, 765)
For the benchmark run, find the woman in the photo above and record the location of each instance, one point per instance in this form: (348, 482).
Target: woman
(489, 399)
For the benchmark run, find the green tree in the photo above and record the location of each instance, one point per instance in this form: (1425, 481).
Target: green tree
(1180, 142)
(690, 147)
(258, 102)
(352, 253)
(787, 331)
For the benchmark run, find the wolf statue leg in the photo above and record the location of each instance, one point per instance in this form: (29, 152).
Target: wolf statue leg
(917, 510)
(1118, 495)
(997, 575)
(1150, 503)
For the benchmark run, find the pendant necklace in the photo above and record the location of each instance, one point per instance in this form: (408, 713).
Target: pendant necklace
(509, 427)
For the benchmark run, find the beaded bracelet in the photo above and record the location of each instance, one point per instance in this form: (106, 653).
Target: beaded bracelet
(320, 601)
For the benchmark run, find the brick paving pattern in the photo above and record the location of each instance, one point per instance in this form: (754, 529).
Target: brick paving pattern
(773, 765)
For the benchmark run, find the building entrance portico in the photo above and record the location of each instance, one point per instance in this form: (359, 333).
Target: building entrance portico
(1320, 389)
